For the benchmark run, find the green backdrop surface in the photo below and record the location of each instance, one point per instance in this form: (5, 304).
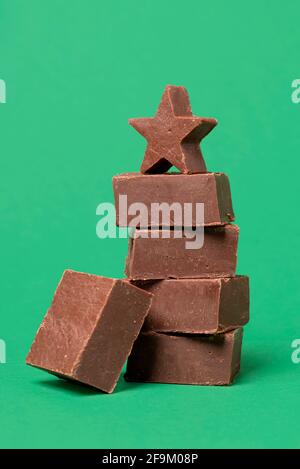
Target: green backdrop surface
(75, 71)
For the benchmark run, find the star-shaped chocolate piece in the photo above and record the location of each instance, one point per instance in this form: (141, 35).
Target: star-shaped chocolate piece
(173, 135)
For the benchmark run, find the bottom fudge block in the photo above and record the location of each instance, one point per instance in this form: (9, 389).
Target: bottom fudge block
(178, 359)
(90, 328)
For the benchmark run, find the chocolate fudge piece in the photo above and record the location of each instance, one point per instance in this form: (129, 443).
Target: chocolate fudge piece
(179, 359)
(197, 306)
(174, 134)
(211, 189)
(157, 257)
(90, 328)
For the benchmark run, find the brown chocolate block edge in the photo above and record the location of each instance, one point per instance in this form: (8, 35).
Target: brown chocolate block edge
(90, 328)
(211, 189)
(161, 258)
(178, 359)
(197, 306)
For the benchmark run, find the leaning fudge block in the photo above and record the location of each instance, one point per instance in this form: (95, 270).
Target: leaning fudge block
(197, 306)
(179, 359)
(155, 257)
(211, 189)
(90, 328)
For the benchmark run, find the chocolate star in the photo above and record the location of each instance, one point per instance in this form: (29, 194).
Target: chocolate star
(173, 135)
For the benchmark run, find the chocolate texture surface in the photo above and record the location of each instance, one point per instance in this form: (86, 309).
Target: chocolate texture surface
(161, 258)
(211, 189)
(197, 306)
(179, 359)
(174, 134)
(89, 330)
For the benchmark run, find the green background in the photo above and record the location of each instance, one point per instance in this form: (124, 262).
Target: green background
(75, 72)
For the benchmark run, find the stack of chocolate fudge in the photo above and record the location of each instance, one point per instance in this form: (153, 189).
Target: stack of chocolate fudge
(179, 314)
(193, 331)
